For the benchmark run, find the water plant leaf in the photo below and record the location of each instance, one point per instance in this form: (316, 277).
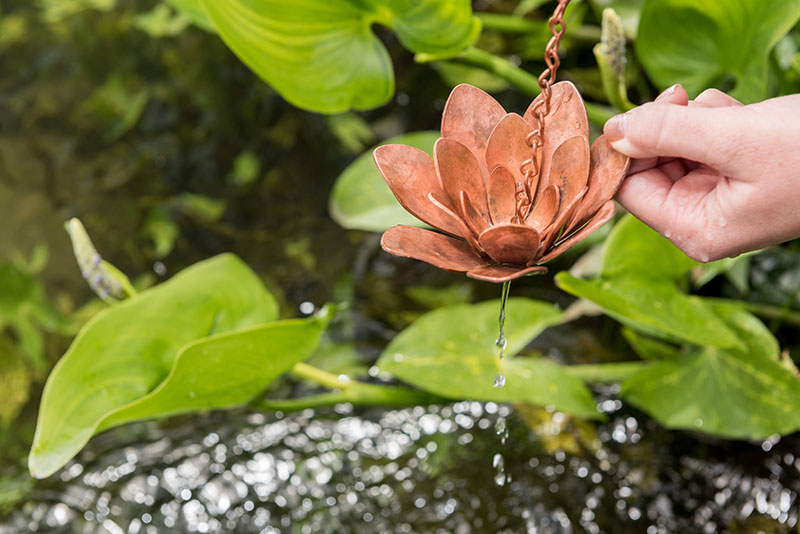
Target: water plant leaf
(450, 352)
(638, 286)
(734, 393)
(704, 44)
(361, 200)
(126, 351)
(323, 56)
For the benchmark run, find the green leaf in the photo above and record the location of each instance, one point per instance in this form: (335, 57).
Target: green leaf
(703, 44)
(728, 392)
(323, 56)
(638, 286)
(126, 351)
(361, 200)
(451, 352)
(194, 10)
(225, 370)
(633, 246)
(648, 348)
(652, 306)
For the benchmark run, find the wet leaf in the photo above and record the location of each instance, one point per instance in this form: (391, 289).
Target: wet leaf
(735, 393)
(323, 56)
(127, 351)
(451, 352)
(705, 44)
(638, 286)
(361, 200)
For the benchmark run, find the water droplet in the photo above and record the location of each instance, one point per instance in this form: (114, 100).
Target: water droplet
(723, 222)
(192, 394)
(501, 429)
(500, 470)
(398, 358)
(500, 380)
(667, 234)
(698, 423)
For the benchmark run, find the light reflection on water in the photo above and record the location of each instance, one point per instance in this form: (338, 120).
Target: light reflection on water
(411, 470)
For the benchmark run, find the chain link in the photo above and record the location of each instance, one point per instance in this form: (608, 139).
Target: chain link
(530, 167)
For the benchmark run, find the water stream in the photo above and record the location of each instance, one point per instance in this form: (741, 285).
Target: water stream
(502, 342)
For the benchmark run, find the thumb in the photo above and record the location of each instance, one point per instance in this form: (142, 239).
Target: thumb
(705, 135)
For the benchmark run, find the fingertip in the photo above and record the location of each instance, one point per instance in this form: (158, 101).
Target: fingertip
(674, 94)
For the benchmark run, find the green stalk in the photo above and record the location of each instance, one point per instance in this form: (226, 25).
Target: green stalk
(605, 372)
(323, 378)
(517, 77)
(514, 24)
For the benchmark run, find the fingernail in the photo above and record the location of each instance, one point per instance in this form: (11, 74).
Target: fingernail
(614, 128)
(666, 93)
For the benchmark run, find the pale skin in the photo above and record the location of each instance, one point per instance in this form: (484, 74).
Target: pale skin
(713, 176)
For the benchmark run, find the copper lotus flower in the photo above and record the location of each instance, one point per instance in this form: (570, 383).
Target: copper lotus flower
(469, 189)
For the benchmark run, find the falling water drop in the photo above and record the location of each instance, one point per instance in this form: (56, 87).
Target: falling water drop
(500, 470)
(501, 429)
(501, 342)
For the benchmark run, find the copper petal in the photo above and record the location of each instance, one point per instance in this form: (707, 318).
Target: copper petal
(545, 209)
(602, 217)
(437, 249)
(553, 231)
(411, 174)
(469, 117)
(503, 273)
(458, 171)
(567, 118)
(473, 219)
(514, 244)
(569, 168)
(507, 145)
(607, 170)
(469, 235)
(501, 195)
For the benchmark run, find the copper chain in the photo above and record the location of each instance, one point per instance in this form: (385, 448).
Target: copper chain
(541, 107)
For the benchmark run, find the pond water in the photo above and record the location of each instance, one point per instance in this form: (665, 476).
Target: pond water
(420, 470)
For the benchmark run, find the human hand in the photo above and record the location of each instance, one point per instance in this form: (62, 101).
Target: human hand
(713, 176)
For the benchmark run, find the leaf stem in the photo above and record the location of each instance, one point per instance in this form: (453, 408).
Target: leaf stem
(514, 24)
(605, 372)
(518, 77)
(323, 378)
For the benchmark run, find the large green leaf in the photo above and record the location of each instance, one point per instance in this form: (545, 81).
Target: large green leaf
(638, 286)
(653, 306)
(361, 200)
(323, 56)
(126, 351)
(451, 352)
(702, 44)
(729, 392)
